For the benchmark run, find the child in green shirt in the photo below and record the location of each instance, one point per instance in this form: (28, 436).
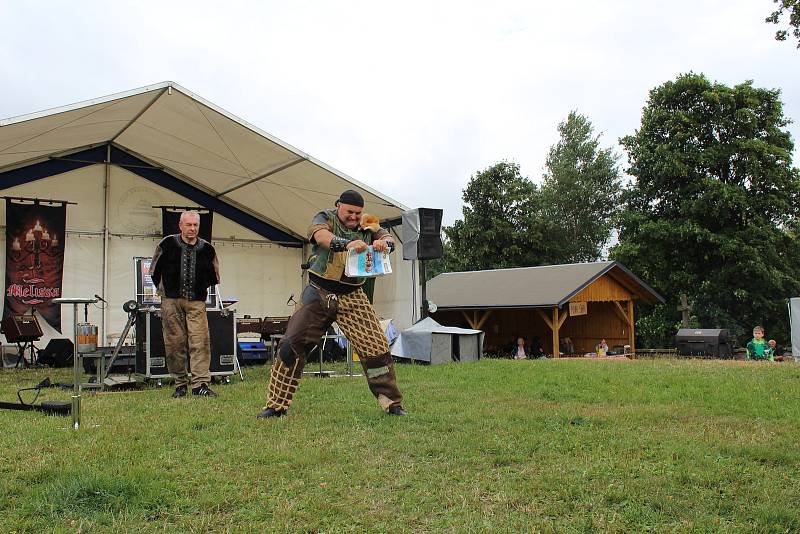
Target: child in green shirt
(758, 349)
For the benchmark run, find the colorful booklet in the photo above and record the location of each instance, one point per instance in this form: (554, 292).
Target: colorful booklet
(367, 263)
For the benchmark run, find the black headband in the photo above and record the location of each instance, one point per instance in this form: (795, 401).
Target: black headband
(351, 197)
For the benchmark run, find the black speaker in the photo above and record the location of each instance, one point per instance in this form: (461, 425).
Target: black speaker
(422, 234)
(21, 328)
(57, 353)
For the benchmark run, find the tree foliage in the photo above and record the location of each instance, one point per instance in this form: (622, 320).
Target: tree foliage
(499, 227)
(792, 7)
(510, 222)
(581, 187)
(710, 211)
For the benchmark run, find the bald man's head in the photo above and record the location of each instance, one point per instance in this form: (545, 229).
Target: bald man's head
(189, 226)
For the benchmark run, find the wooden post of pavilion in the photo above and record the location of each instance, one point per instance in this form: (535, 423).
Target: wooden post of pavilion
(555, 328)
(554, 324)
(631, 336)
(477, 321)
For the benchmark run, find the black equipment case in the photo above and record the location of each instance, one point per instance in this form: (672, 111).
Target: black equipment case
(151, 358)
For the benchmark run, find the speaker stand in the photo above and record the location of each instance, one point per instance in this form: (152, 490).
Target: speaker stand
(423, 282)
(22, 347)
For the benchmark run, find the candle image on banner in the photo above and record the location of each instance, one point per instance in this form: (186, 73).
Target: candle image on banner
(34, 259)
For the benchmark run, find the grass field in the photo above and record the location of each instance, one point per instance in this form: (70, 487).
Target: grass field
(491, 446)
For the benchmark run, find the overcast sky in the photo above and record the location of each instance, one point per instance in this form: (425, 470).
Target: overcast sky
(410, 98)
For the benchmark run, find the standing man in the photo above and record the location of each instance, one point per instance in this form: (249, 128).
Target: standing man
(333, 296)
(184, 266)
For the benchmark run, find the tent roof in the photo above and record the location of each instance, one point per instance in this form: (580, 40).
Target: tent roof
(205, 147)
(429, 324)
(529, 287)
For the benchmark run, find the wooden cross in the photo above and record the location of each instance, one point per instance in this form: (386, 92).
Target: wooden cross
(685, 308)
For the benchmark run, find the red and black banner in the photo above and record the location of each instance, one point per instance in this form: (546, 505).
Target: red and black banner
(34, 259)
(171, 216)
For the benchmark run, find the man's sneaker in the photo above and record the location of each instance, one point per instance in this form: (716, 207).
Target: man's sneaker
(204, 391)
(270, 412)
(180, 391)
(396, 409)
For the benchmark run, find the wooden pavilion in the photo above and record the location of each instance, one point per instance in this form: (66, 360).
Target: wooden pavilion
(585, 302)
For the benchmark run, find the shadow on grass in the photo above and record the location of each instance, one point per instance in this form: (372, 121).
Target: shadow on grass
(100, 498)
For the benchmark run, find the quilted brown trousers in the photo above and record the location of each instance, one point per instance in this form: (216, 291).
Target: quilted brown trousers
(359, 323)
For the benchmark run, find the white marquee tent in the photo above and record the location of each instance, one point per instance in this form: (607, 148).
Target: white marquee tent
(120, 155)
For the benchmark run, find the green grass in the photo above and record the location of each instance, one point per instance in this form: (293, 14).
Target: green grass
(492, 446)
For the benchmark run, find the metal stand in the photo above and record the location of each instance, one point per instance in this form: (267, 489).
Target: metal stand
(275, 339)
(322, 373)
(76, 359)
(103, 368)
(22, 348)
(120, 342)
(350, 361)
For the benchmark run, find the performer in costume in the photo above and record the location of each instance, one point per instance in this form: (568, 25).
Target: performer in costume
(333, 296)
(184, 266)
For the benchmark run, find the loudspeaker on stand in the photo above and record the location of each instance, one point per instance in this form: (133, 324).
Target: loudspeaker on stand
(422, 234)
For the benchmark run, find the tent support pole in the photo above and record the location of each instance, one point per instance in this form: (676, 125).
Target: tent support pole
(106, 195)
(423, 278)
(413, 291)
(303, 272)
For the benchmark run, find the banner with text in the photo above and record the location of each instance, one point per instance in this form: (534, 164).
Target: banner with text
(34, 259)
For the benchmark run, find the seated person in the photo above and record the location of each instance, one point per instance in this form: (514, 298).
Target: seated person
(777, 352)
(521, 352)
(566, 346)
(757, 348)
(536, 348)
(601, 348)
(509, 347)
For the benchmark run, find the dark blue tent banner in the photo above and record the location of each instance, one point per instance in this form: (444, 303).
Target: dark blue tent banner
(35, 236)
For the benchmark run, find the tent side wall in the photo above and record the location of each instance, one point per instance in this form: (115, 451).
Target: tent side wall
(393, 293)
(441, 348)
(469, 346)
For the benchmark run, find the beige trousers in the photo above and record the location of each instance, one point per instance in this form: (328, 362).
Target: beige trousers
(186, 340)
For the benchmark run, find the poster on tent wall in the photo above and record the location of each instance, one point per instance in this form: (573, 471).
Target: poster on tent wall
(171, 216)
(34, 259)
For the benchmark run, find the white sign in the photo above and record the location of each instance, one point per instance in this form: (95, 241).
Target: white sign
(577, 308)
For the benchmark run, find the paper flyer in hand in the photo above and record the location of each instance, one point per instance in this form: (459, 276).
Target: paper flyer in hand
(367, 263)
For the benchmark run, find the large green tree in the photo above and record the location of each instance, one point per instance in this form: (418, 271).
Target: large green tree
(581, 189)
(792, 8)
(499, 228)
(710, 210)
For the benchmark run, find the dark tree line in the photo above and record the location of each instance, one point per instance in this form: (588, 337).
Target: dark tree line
(713, 209)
